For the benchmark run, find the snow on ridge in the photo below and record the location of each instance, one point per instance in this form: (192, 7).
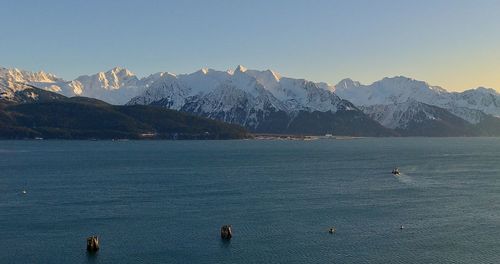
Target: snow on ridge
(118, 85)
(397, 90)
(259, 88)
(400, 115)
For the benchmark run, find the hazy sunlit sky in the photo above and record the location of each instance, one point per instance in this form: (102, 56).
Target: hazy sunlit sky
(451, 43)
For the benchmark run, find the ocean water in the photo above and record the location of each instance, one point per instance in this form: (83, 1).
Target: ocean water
(165, 201)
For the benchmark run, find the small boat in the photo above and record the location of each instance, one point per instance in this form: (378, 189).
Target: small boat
(332, 230)
(395, 171)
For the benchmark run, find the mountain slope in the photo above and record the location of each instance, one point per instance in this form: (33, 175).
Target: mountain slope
(414, 108)
(413, 118)
(262, 101)
(115, 86)
(467, 105)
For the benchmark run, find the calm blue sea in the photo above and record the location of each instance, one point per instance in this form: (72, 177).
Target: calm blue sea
(165, 201)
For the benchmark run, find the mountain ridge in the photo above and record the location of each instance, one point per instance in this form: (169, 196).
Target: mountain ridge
(262, 101)
(256, 99)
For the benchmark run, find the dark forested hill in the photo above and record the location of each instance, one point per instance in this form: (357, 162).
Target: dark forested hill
(84, 118)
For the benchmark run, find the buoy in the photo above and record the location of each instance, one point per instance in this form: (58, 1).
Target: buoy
(24, 192)
(226, 232)
(401, 227)
(92, 243)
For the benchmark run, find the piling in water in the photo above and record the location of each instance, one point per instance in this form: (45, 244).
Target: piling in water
(92, 243)
(226, 232)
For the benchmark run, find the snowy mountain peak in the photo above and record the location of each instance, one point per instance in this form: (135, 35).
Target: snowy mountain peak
(240, 68)
(401, 115)
(112, 79)
(399, 78)
(17, 75)
(391, 90)
(347, 83)
(244, 96)
(401, 90)
(116, 69)
(152, 78)
(119, 72)
(401, 82)
(276, 75)
(486, 90)
(14, 80)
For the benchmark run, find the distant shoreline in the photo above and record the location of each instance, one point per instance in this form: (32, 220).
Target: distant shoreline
(251, 137)
(300, 137)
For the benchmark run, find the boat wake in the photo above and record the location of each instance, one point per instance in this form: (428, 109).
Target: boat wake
(405, 178)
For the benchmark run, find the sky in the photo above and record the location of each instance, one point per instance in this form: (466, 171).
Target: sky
(451, 43)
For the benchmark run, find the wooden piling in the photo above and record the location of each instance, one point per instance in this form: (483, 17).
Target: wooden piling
(92, 243)
(226, 232)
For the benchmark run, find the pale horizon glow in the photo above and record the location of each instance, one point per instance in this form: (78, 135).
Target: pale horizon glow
(454, 44)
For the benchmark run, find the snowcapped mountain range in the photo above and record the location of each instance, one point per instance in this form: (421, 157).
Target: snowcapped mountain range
(262, 101)
(115, 86)
(387, 100)
(265, 101)
(241, 96)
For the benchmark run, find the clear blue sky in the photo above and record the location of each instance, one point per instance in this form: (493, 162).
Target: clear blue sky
(452, 43)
